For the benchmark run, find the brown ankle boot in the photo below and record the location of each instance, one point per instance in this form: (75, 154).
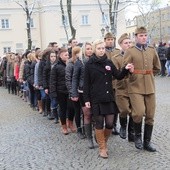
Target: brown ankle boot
(107, 133)
(40, 106)
(101, 141)
(71, 126)
(64, 129)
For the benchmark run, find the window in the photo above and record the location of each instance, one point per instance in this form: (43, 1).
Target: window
(31, 23)
(7, 49)
(19, 45)
(85, 20)
(105, 19)
(65, 21)
(4, 23)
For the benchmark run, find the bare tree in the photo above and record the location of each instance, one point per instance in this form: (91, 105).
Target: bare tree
(69, 11)
(114, 9)
(146, 8)
(63, 18)
(28, 9)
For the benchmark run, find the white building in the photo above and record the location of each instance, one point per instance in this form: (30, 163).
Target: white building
(47, 24)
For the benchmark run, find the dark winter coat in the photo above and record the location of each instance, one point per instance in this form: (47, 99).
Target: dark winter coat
(46, 75)
(27, 71)
(32, 72)
(98, 79)
(57, 79)
(40, 72)
(69, 74)
(78, 76)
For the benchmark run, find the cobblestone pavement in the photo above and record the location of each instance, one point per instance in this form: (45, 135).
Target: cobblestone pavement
(30, 141)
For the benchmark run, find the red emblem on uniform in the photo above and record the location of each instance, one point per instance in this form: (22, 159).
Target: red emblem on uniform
(108, 68)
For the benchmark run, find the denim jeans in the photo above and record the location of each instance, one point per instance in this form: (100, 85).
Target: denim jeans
(167, 65)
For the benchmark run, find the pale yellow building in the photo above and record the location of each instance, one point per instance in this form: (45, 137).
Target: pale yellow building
(47, 26)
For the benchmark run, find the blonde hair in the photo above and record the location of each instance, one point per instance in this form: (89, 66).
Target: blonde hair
(95, 43)
(84, 48)
(31, 56)
(75, 50)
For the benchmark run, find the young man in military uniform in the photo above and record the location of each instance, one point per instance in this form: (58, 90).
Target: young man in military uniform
(122, 97)
(111, 51)
(141, 87)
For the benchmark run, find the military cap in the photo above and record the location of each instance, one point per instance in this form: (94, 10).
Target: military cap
(123, 37)
(140, 30)
(109, 35)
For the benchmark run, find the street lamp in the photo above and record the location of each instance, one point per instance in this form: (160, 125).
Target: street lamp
(107, 28)
(102, 31)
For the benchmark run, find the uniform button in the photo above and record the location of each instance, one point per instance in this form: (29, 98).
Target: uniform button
(105, 74)
(106, 82)
(107, 92)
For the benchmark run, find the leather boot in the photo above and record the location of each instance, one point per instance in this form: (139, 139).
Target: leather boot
(138, 135)
(147, 138)
(40, 106)
(71, 126)
(64, 129)
(88, 132)
(51, 115)
(115, 130)
(44, 107)
(107, 133)
(101, 141)
(55, 112)
(130, 130)
(123, 124)
(79, 133)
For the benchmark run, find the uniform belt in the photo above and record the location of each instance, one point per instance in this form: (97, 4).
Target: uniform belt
(143, 71)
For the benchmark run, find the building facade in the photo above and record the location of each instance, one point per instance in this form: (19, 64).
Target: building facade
(47, 25)
(158, 25)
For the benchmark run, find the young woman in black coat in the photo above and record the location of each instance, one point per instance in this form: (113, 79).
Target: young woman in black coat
(98, 92)
(58, 88)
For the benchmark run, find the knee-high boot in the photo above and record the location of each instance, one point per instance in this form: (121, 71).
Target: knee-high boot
(55, 113)
(101, 141)
(130, 130)
(107, 133)
(115, 130)
(147, 138)
(138, 135)
(123, 124)
(88, 132)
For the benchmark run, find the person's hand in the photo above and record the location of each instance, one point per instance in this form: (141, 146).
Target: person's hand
(87, 104)
(75, 99)
(130, 67)
(46, 91)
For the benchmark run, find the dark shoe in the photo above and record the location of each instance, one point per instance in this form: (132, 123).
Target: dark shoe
(45, 114)
(80, 134)
(123, 124)
(147, 138)
(122, 132)
(50, 116)
(56, 121)
(138, 136)
(88, 132)
(115, 131)
(130, 130)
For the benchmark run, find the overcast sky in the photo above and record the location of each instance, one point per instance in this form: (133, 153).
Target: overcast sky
(132, 10)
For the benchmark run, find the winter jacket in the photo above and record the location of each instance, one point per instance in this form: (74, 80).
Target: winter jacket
(98, 79)
(40, 72)
(78, 77)
(57, 79)
(69, 74)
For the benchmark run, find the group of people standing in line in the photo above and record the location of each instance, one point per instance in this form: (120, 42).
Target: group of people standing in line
(97, 83)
